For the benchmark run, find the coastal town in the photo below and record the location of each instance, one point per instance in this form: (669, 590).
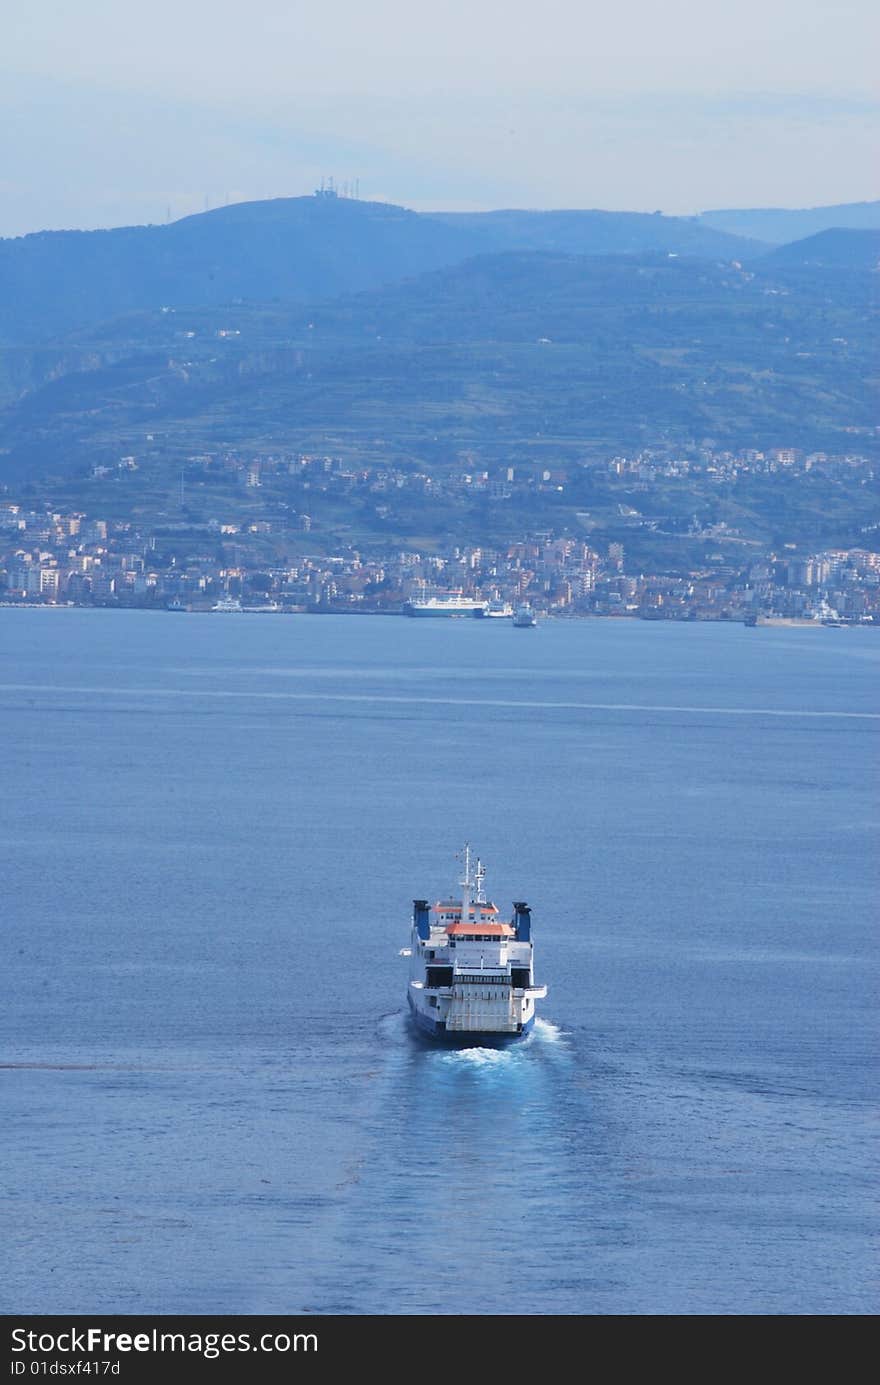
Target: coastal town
(276, 556)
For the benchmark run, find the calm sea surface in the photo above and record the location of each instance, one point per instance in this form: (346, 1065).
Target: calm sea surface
(211, 831)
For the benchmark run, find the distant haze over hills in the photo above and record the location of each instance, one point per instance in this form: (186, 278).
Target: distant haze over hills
(294, 249)
(297, 249)
(517, 354)
(305, 248)
(596, 233)
(840, 248)
(363, 328)
(779, 224)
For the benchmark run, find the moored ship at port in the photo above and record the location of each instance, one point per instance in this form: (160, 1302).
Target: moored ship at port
(471, 973)
(497, 610)
(445, 604)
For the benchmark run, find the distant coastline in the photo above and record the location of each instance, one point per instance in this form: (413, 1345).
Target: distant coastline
(652, 618)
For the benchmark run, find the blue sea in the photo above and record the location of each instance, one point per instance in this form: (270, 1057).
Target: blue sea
(213, 827)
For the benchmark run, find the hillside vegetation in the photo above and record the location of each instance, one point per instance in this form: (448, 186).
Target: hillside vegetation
(522, 353)
(291, 250)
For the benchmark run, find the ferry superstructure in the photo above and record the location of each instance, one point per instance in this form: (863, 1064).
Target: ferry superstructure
(471, 977)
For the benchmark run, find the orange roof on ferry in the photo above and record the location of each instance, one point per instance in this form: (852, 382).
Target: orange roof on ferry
(482, 927)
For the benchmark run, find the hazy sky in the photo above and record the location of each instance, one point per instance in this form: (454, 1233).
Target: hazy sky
(113, 113)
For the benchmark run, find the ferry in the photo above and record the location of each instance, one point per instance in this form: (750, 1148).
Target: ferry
(525, 618)
(471, 977)
(497, 610)
(445, 604)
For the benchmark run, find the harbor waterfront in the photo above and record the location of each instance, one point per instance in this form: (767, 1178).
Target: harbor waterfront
(211, 1096)
(61, 557)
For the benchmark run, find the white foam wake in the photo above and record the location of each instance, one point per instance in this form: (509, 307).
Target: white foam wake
(548, 1032)
(396, 699)
(492, 1058)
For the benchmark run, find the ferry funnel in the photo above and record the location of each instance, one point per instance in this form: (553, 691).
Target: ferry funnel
(421, 918)
(522, 922)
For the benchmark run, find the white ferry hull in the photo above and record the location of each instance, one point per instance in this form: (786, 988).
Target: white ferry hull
(443, 612)
(452, 604)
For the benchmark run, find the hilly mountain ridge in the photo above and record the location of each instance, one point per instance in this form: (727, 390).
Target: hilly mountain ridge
(836, 248)
(778, 225)
(293, 250)
(526, 354)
